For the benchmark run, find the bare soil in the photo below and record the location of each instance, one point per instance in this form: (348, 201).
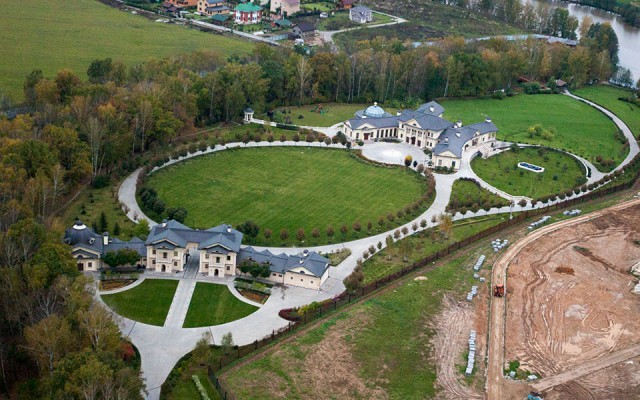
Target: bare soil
(452, 328)
(621, 382)
(571, 300)
(115, 284)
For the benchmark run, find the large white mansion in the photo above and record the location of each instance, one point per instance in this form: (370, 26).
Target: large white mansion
(172, 246)
(424, 128)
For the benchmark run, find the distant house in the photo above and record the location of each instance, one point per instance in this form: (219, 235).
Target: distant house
(361, 14)
(170, 9)
(212, 7)
(283, 23)
(220, 19)
(346, 4)
(304, 30)
(184, 3)
(247, 13)
(285, 7)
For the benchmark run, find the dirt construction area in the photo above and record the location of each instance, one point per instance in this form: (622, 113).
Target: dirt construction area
(570, 302)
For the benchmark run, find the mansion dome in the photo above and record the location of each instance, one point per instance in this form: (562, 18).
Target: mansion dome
(374, 111)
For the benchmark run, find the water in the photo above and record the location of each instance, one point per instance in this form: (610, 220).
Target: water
(628, 36)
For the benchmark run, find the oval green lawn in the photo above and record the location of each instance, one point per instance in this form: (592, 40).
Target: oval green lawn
(286, 188)
(502, 172)
(581, 129)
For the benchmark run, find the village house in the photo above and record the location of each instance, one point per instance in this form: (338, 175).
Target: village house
(247, 13)
(212, 7)
(89, 247)
(286, 8)
(346, 4)
(361, 14)
(426, 129)
(304, 30)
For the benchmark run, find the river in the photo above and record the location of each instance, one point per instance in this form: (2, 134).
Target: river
(628, 36)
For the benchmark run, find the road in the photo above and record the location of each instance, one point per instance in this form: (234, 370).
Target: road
(327, 36)
(587, 368)
(497, 321)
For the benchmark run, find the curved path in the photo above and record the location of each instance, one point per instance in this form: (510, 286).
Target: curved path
(161, 347)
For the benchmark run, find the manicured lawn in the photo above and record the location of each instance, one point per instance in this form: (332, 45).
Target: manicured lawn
(186, 388)
(562, 172)
(148, 302)
(213, 304)
(179, 385)
(52, 35)
(607, 96)
(333, 113)
(389, 261)
(288, 188)
(318, 6)
(384, 342)
(467, 193)
(581, 129)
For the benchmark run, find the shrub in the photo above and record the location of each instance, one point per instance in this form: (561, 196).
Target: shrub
(408, 160)
(522, 203)
(193, 148)
(423, 223)
(372, 249)
(396, 233)
(101, 181)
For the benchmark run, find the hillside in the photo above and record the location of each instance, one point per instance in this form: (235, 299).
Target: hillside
(54, 34)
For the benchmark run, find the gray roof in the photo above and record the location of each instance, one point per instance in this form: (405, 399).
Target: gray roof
(432, 108)
(425, 121)
(305, 27)
(86, 242)
(389, 122)
(361, 9)
(281, 263)
(135, 243)
(453, 139)
(179, 234)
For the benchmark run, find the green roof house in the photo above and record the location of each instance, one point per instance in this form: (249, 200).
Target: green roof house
(248, 13)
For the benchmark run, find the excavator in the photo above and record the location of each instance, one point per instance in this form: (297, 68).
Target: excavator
(498, 290)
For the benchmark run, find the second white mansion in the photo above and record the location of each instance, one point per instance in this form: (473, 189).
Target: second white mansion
(424, 128)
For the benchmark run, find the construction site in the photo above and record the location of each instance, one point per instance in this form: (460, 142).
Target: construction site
(564, 310)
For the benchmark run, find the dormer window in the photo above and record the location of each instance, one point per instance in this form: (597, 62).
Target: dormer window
(91, 240)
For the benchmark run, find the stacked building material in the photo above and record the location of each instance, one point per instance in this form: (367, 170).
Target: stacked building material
(472, 353)
(479, 263)
(541, 221)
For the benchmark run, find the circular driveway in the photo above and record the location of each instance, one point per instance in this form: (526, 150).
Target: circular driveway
(392, 153)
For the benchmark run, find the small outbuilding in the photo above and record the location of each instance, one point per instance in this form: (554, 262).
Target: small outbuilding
(304, 30)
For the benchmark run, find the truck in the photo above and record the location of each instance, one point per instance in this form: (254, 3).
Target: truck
(534, 396)
(498, 290)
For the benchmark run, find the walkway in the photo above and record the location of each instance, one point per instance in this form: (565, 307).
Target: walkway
(162, 347)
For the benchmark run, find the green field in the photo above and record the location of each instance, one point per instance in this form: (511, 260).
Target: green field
(52, 35)
(562, 172)
(287, 188)
(148, 302)
(466, 193)
(607, 96)
(333, 113)
(213, 304)
(383, 344)
(581, 129)
(391, 260)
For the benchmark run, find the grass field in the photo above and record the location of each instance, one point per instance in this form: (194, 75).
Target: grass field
(562, 172)
(148, 302)
(382, 346)
(390, 260)
(179, 385)
(466, 194)
(607, 96)
(213, 304)
(287, 188)
(334, 113)
(93, 202)
(581, 129)
(52, 35)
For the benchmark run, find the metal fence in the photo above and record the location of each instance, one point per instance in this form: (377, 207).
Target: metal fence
(346, 298)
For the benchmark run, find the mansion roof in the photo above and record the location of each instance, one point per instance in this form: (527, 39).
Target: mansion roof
(453, 139)
(86, 242)
(281, 263)
(174, 234)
